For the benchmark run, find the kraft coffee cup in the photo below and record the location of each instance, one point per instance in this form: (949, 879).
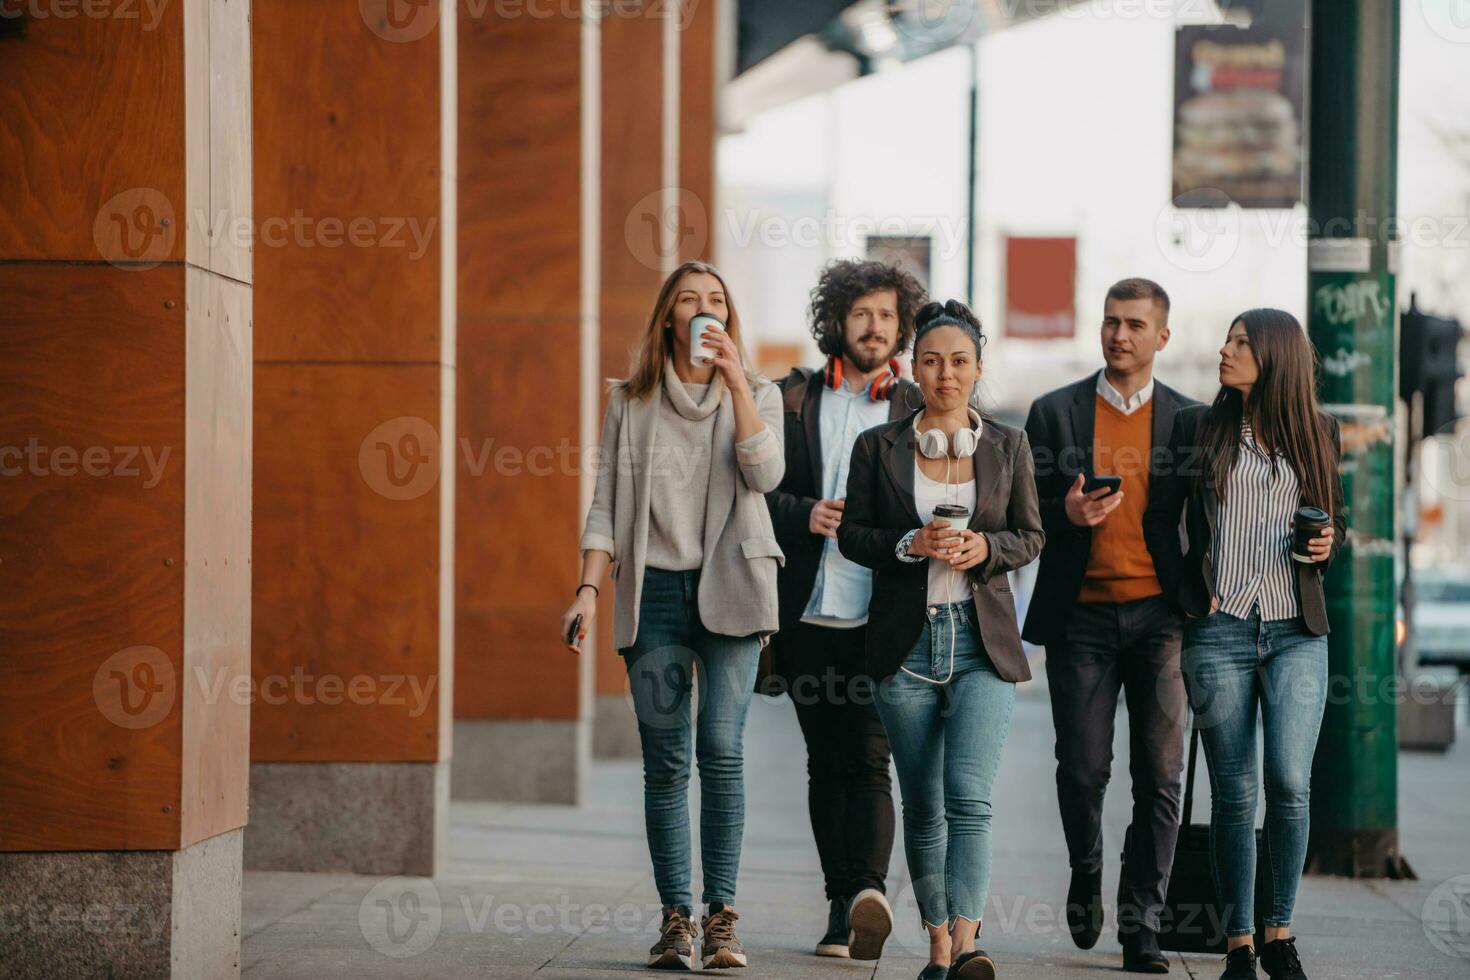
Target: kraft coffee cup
(699, 355)
(1309, 524)
(956, 516)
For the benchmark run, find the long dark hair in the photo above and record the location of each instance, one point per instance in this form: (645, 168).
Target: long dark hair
(1282, 409)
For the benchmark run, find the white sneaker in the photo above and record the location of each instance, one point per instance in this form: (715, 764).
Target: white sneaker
(870, 921)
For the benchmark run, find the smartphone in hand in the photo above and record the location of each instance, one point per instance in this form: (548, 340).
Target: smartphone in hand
(1095, 483)
(573, 634)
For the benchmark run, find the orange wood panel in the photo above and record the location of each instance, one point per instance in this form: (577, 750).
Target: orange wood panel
(632, 180)
(518, 517)
(347, 178)
(698, 125)
(92, 108)
(520, 167)
(92, 551)
(346, 563)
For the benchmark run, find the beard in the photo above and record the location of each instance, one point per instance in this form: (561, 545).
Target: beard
(864, 358)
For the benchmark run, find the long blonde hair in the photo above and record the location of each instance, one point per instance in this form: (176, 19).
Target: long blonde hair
(646, 367)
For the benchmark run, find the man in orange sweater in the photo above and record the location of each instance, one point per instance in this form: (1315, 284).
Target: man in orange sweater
(1099, 610)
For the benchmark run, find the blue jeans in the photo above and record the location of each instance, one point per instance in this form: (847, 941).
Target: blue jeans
(946, 741)
(1234, 668)
(673, 646)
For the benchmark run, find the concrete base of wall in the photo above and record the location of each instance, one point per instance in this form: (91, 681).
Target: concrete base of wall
(372, 818)
(525, 761)
(123, 913)
(614, 728)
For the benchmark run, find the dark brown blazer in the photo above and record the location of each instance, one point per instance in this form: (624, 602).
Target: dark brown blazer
(880, 511)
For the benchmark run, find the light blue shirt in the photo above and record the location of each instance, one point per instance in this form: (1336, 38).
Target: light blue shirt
(842, 588)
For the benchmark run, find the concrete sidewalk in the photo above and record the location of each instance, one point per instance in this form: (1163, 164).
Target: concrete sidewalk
(560, 892)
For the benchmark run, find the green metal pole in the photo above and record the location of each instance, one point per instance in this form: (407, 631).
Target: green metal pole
(1353, 321)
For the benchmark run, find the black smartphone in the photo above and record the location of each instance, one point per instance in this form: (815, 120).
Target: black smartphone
(576, 628)
(1094, 483)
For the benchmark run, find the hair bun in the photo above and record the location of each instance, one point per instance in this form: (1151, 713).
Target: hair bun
(928, 312)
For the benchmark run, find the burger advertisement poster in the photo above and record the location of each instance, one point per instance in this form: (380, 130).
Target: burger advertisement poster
(1239, 94)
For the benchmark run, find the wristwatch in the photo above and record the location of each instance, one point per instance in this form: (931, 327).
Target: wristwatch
(902, 550)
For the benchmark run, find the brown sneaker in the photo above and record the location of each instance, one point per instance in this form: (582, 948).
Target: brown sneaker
(721, 949)
(675, 947)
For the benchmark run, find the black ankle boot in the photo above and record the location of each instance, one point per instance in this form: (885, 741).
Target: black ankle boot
(1240, 964)
(834, 941)
(1085, 908)
(1141, 953)
(1279, 960)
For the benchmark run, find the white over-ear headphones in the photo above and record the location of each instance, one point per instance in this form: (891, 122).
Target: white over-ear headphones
(934, 445)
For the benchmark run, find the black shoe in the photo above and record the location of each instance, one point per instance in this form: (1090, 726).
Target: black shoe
(834, 941)
(1240, 964)
(934, 971)
(1279, 960)
(1141, 953)
(1085, 908)
(870, 920)
(976, 965)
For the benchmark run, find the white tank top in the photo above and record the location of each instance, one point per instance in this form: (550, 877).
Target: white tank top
(945, 584)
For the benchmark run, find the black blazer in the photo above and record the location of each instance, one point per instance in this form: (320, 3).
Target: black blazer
(1184, 567)
(1061, 428)
(791, 503)
(880, 511)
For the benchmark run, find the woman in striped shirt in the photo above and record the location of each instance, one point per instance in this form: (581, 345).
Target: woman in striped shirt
(1255, 642)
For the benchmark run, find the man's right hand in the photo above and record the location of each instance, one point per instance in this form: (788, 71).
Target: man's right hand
(1090, 509)
(826, 515)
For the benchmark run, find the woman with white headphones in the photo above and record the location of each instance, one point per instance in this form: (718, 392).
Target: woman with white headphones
(943, 641)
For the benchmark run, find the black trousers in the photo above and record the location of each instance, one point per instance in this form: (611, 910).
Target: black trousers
(1132, 647)
(848, 789)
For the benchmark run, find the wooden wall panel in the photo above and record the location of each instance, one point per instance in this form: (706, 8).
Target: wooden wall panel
(216, 719)
(92, 552)
(346, 575)
(632, 182)
(90, 108)
(520, 174)
(346, 130)
(698, 124)
(519, 167)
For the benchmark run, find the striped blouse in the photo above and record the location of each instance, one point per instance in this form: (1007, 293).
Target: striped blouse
(1253, 535)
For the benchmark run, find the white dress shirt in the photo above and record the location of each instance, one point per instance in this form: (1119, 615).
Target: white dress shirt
(1127, 406)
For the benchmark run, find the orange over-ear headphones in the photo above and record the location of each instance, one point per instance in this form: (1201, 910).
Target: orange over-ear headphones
(879, 391)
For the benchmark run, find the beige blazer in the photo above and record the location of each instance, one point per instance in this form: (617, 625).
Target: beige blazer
(737, 581)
